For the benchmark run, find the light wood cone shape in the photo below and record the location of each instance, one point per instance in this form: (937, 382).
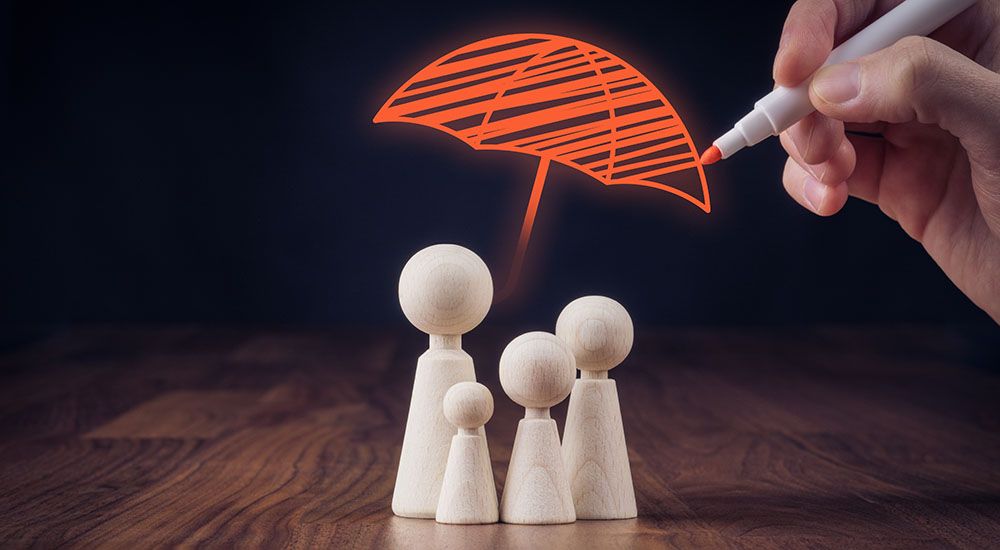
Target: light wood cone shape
(427, 439)
(599, 331)
(536, 371)
(445, 291)
(595, 454)
(468, 493)
(537, 491)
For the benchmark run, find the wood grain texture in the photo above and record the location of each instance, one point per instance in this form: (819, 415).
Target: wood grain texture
(468, 492)
(537, 489)
(445, 290)
(600, 333)
(595, 453)
(776, 438)
(536, 372)
(428, 434)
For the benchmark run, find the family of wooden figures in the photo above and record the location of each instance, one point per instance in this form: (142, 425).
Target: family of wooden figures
(444, 468)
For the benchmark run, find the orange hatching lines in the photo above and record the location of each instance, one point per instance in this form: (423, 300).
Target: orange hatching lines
(541, 88)
(655, 162)
(611, 113)
(545, 139)
(670, 169)
(651, 146)
(641, 131)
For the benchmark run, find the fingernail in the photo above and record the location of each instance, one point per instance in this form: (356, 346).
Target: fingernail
(813, 192)
(838, 83)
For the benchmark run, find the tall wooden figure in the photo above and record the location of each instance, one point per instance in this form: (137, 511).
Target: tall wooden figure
(468, 494)
(445, 290)
(537, 371)
(599, 331)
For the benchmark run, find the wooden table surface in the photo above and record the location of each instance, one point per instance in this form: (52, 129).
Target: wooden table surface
(773, 438)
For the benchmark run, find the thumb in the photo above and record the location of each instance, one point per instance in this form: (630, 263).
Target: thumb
(923, 80)
(916, 79)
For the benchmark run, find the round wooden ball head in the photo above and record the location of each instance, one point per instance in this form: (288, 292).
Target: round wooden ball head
(445, 289)
(599, 332)
(537, 371)
(468, 405)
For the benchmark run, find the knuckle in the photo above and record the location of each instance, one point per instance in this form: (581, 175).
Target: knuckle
(828, 14)
(810, 11)
(814, 21)
(919, 66)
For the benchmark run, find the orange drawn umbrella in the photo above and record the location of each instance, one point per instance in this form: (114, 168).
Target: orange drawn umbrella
(556, 98)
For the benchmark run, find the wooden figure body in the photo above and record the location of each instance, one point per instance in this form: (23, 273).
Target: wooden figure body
(468, 493)
(445, 291)
(599, 332)
(536, 371)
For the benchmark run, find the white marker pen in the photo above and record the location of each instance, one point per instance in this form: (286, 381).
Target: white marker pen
(783, 107)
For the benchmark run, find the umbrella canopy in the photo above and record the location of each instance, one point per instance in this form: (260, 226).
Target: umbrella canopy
(558, 99)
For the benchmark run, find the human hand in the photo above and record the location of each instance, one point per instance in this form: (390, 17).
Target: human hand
(922, 122)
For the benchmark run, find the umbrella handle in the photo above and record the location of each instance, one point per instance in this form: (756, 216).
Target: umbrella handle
(526, 226)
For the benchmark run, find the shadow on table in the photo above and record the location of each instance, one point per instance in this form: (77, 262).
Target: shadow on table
(416, 533)
(710, 520)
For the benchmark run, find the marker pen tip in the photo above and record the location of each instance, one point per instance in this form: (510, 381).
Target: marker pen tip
(711, 155)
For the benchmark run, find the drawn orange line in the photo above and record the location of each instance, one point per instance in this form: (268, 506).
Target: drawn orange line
(526, 227)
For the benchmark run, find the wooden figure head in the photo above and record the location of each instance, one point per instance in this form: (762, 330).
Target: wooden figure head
(598, 330)
(468, 405)
(537, 370)
(445, 289)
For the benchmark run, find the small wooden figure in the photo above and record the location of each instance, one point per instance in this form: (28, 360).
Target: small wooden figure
(445, 290)
(468, 494)
(537, 371)
(599, 332)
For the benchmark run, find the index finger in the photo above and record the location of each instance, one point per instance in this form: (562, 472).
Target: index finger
(812, 29)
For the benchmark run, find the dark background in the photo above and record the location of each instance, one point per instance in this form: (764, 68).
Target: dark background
(216, 162)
